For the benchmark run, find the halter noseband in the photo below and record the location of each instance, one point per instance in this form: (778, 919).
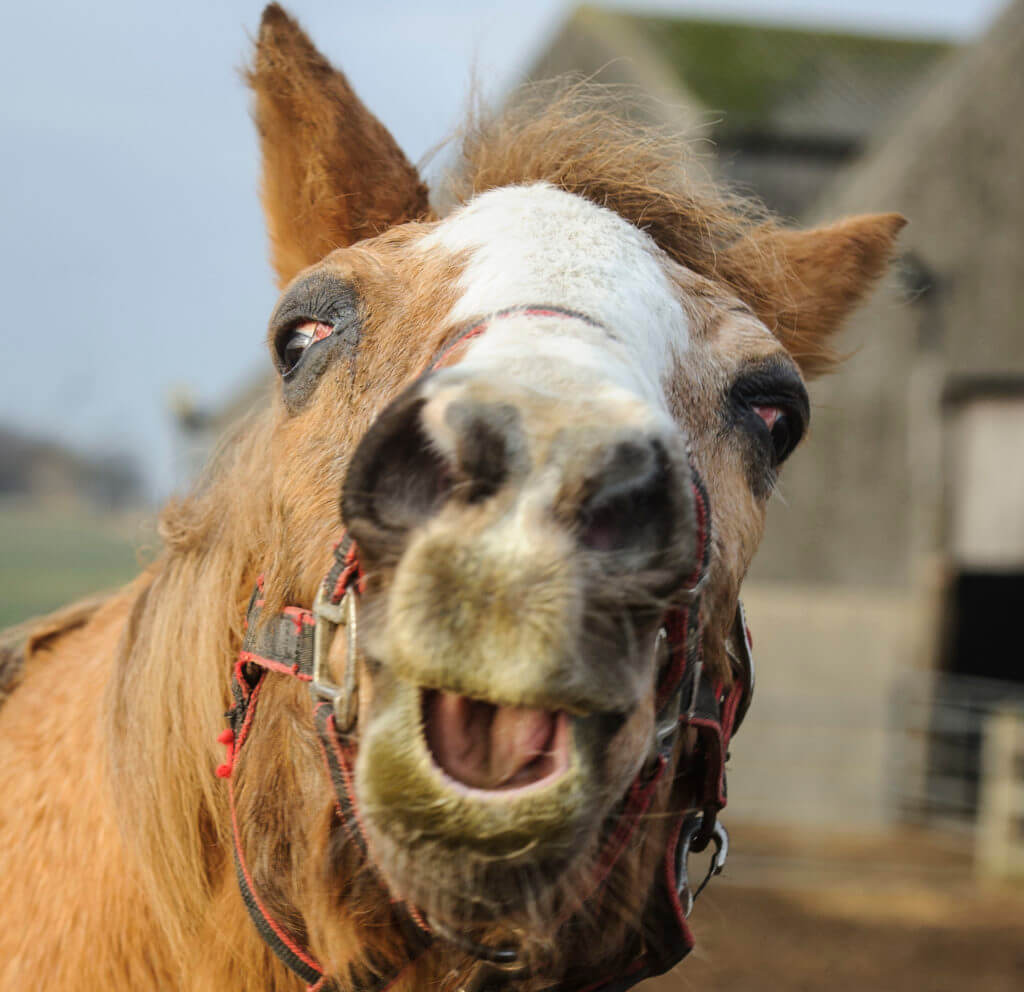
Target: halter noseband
(297, 642)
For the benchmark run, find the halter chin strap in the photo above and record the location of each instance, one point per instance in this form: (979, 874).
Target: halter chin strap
(297, 642)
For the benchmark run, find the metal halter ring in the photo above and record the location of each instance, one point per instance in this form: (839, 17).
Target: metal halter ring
(329, 616)
(692, 826)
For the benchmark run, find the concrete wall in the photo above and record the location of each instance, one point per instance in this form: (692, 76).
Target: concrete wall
(820, 744)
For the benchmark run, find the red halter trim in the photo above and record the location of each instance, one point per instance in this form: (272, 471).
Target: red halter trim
(442, 358)
(285, 645)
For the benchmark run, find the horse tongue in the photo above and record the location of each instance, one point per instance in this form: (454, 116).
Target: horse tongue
(519, 736)
(491, 747)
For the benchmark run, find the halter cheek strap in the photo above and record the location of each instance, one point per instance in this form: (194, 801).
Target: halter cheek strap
(291, 644)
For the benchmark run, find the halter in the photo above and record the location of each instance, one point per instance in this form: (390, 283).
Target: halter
(296, 643)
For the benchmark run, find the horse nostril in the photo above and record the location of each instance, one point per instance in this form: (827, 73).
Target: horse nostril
(396, 478)
(488, 444)
(630, 505)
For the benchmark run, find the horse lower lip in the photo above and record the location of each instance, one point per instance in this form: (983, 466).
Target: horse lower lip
(492, 748)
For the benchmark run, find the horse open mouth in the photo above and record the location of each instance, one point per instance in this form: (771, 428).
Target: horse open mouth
(495, 751)
(482, 804)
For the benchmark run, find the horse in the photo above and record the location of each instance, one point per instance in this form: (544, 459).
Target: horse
(432, 682)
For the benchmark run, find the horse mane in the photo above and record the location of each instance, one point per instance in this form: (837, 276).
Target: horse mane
(169, 690)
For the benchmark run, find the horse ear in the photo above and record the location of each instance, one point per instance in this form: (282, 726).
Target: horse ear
(803, 284)
(332, 174)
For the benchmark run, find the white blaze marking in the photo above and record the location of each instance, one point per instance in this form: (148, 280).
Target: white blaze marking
(540, 245)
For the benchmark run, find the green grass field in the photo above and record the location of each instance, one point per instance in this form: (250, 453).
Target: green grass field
(51, 557)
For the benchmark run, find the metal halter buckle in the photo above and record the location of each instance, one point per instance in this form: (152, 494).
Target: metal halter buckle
(329, 616)
(692, 826)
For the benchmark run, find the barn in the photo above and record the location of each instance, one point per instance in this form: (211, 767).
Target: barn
(882, 600)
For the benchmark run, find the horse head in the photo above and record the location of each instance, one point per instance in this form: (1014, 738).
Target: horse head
(550, 421)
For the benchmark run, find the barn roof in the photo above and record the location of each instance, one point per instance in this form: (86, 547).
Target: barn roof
(790, 81)
(786, 107)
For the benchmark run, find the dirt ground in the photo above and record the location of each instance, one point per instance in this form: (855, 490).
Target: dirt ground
(813, 913)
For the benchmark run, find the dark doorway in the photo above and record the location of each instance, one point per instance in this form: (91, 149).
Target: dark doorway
(987, 629)
(982, 666)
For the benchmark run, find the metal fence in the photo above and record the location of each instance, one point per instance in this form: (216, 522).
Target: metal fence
(938, 723)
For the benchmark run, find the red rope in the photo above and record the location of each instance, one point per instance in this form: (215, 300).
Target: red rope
(278, 931)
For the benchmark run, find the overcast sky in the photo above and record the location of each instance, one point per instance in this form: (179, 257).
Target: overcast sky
(132, 252)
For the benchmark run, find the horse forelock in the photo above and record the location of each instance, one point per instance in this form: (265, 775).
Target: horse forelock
(587, 139)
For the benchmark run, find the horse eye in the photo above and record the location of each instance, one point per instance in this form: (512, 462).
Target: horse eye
(780, 430)
(294, 348)
(293, 343)
(783, 441)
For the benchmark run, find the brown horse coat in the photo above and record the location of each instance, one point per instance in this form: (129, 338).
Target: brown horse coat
(115, 848)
